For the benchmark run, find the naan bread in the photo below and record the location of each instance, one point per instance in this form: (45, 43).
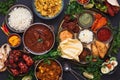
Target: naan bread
(94, 50)
(71, 49)
(102, 49)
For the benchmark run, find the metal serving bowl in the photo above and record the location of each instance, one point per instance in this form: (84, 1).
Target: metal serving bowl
(32, 27)
(45, 17)
(7, 16)
(54, 60)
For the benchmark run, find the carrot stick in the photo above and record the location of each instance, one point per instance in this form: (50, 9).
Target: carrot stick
(102, 22)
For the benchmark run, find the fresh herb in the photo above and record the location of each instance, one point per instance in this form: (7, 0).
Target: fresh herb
(74, 8)
(52, 54)
(93, 67)
(47, 61)
(5, 5)
(40, 40)
(114, 49)
(11, 77)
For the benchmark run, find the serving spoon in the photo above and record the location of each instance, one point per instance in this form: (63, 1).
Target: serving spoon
(67, 67)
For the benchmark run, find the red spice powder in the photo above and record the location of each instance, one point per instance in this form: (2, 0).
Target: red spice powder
(104, 34)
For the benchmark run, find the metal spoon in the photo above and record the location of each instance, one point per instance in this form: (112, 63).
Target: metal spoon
(67, 67)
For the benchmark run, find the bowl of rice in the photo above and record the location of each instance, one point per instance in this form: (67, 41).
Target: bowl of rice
(19, 18)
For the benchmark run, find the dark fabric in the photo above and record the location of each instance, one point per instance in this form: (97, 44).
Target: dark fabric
(55, 22)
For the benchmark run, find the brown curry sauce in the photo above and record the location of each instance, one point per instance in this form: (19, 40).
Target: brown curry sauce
(39, 38)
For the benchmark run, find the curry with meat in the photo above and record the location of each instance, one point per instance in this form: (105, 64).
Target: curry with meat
(39, 38)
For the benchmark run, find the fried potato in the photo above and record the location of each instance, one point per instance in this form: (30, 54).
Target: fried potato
(71, 48)
(102, 49)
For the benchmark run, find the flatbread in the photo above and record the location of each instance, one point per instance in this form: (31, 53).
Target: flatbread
(71, 49)
(94, 50)
(102, 49)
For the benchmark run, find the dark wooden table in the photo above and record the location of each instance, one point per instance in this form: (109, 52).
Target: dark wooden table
(55, 22)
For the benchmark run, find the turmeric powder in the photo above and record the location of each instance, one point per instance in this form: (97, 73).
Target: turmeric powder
(14, 40)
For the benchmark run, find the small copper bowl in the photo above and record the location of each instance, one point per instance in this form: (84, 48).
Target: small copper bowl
(14, 40)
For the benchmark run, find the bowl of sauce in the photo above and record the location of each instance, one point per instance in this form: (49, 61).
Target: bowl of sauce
(104, 34)
(85, 19)
(38, 39)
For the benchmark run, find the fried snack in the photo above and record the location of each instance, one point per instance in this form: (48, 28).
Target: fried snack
(94, 50)
(102, 48)
(71, 48)
(48, 8)
(65, 34)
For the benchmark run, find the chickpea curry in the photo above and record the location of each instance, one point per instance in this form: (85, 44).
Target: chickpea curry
(48, 8)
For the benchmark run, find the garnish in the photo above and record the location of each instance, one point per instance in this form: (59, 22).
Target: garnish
(40, 40)
(116, 41)
(93, 67)
(52, 54)
(73, 8)
(5, 5)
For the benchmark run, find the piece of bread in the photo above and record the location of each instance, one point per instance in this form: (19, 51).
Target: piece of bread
(102, 49)
(71, 49)
(94, 50)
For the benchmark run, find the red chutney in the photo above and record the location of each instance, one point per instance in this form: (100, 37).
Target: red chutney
(104, 34)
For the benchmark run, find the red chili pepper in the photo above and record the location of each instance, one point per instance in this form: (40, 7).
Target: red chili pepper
(4, 29)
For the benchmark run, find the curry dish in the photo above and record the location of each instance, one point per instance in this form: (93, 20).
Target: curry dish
(47, 71)
(39, 38)
(48, 8)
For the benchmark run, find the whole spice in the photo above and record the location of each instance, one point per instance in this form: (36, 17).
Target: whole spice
(104, 34)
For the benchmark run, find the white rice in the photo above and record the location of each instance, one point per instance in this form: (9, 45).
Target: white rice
(86, 36)
(19, 19)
